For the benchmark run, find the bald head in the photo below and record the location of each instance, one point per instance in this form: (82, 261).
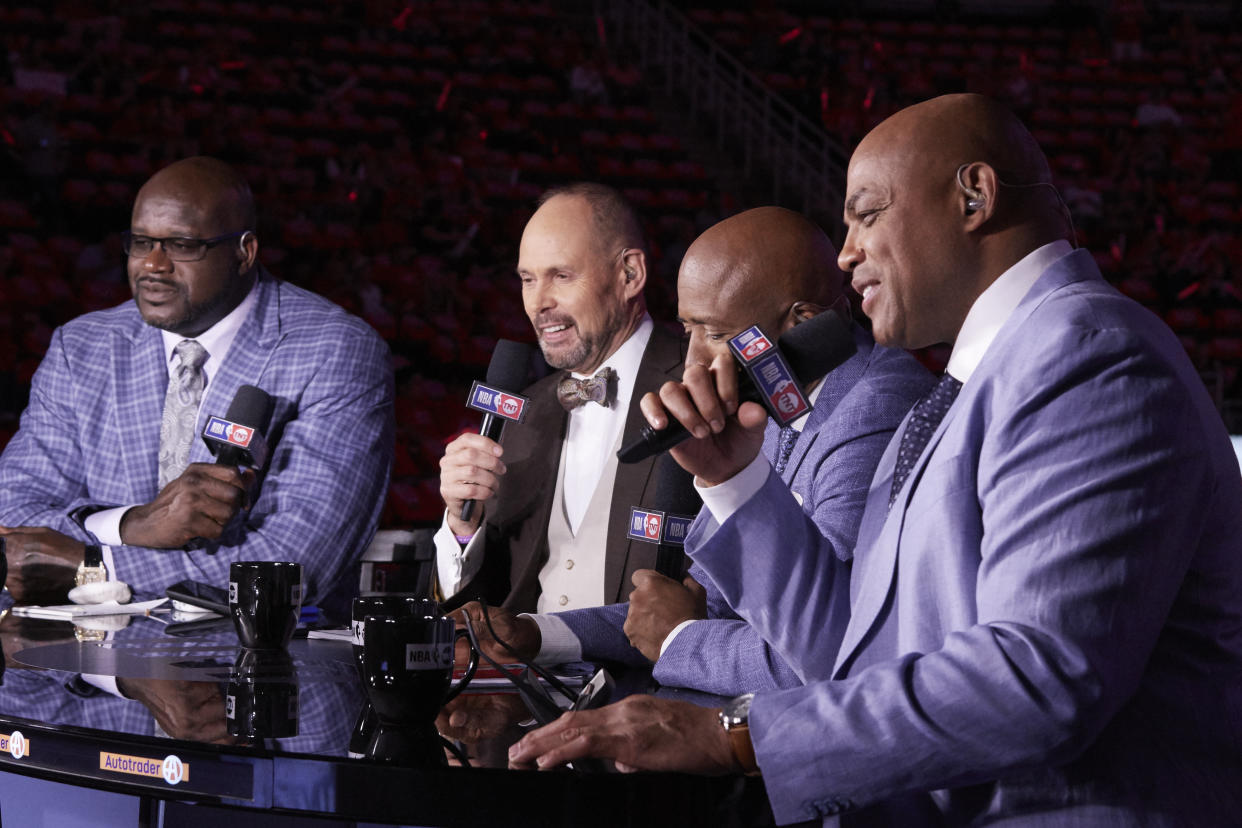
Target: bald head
(941, 198)
(213, 186)
(951, 130)
(179, 283)
(768, 266)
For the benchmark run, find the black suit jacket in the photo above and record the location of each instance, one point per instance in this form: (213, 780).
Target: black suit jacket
(516, 519)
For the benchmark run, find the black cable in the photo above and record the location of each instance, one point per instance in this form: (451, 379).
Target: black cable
(556, 683)
(456, 750)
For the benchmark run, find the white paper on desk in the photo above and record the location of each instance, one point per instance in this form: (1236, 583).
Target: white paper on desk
(346, 635)
(71, 611)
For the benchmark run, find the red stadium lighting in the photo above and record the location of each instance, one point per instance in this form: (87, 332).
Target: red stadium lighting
(444, 94)
(792, 34)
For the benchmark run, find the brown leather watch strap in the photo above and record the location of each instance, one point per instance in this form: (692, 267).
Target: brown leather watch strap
(743, 750)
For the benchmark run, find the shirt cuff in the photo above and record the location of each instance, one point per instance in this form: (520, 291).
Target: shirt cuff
(668, 639)
(557, 642)
(723, 499)
(105, 525)
(455, 566)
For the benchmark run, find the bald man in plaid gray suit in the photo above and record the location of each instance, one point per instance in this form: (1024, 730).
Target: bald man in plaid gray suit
(108, 452)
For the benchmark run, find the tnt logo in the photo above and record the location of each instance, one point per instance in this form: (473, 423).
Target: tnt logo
(509, 405)
(239, 435)
(787, 400)
(653, 527)
(750, 343)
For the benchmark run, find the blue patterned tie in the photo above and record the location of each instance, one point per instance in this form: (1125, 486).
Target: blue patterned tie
(926, 416)
(185, 391)
(784, 447)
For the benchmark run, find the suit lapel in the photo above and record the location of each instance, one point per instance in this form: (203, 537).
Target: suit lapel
(245, 363)
(140, 383)
(661, 362)
(836, 384)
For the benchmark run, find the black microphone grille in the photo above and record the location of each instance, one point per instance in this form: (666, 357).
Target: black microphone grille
(510, 361)
(251, 407)
(674, 490)
(816, 346)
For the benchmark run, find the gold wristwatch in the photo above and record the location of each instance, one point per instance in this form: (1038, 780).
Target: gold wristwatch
(92, 569)
(735, 719)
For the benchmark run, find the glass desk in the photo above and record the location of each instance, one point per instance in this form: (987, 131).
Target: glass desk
(55, 727)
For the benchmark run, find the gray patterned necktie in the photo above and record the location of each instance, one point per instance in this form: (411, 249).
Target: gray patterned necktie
(185, 390)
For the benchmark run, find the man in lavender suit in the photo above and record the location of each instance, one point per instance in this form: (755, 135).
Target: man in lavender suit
(1046, 623)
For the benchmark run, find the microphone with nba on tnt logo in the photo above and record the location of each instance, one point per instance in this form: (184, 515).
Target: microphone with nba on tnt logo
(772, 374)
(236, 439)
(506, 371)
(677, 503)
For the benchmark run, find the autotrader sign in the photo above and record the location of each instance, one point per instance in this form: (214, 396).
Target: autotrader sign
(14, 744)
(171, 769)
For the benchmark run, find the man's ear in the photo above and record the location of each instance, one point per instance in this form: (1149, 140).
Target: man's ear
(247, 251)
(977, 193)
(802, 311)
(634, 271)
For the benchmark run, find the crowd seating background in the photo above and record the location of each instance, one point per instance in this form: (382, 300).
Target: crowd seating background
(396, 150)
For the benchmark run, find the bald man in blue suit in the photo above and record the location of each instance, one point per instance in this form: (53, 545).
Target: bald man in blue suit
(1046, 623)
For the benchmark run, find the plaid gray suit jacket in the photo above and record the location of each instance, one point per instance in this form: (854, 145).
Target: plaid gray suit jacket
(90, 438)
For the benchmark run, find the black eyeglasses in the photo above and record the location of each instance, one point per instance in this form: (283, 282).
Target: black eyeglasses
(177, 248)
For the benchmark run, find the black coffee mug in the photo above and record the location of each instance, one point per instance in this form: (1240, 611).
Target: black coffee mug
(265, 600)
(262, 697)
(407, 667)
(388, 605)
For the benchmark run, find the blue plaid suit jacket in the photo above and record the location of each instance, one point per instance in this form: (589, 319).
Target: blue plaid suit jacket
(856, 413)
(90, 438)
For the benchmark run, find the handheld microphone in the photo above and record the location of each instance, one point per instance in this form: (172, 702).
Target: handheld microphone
(236, 439)
(807, 351)
(666, 526)
(506, 371)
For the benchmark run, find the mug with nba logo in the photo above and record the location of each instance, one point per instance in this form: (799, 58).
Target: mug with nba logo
(265, 600)
(407, 670)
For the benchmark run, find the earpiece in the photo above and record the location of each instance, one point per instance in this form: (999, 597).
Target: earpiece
(241, 242)
(630, 274)
(976, 200)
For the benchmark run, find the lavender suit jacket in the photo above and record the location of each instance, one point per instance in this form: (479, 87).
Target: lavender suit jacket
(1047, 625)
(90, 438)
(858, 408)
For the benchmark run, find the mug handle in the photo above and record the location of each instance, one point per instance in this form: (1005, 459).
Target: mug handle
(470, 667)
